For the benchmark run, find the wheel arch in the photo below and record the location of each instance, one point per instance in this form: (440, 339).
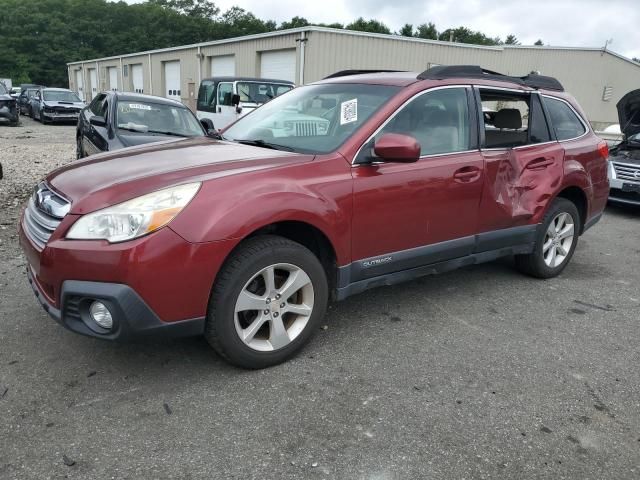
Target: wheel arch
(578, 197)
(306, 234)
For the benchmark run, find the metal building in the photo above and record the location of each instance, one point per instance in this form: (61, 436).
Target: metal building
(597, 77)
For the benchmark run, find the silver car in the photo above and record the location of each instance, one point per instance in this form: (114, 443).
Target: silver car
(624, 158)
(56, 105)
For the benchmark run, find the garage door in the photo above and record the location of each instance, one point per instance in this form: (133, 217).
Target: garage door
(136, 75)
(223, 66)
(93, 83)
(112, 73)
(279, 64)
(79, 84)
(172, 80)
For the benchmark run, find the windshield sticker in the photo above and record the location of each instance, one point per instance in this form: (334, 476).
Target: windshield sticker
(349, 111)
(139, 106)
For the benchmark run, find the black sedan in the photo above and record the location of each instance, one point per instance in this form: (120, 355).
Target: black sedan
(115, 120)
(8, 108)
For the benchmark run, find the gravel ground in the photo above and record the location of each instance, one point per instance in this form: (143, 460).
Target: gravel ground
(479, 373)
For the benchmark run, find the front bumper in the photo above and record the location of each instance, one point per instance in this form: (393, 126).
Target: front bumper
(9, 113)
(157, 284)
(623, 191)
(60, 117)
(132, 317)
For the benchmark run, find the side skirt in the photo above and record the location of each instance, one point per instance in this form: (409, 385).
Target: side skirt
(432, 259)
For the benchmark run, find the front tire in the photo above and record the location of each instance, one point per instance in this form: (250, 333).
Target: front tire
(267, 301)
(556, 241)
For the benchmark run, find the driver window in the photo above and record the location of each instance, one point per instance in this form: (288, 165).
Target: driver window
(225, 92)
(438, 120)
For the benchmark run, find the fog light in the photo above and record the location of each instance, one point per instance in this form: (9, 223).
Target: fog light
(101, 315)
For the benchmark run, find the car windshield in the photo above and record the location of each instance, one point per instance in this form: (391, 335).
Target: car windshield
(60, 96)
(311, 119)
(148, 117)
(3, 90)
(258, 92)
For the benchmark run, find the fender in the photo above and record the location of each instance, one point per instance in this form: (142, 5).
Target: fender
(323, 200)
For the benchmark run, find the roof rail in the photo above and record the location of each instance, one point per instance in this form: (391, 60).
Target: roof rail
(474, 71)
(347, 73)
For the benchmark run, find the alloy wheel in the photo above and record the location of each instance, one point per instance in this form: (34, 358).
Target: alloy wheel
(558, 240)
(274, 307)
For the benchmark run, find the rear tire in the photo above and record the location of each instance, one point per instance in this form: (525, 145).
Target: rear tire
(556, 240)
(268, 283)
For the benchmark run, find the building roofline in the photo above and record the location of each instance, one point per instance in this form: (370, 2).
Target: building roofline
(311, 28)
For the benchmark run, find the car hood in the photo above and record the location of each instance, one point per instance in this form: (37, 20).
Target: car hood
(6, 97)
(49, 103)
(113, 177)
(629, 113)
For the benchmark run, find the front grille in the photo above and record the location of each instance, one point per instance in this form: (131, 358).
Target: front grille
(626, 171)
(43, 214)
(306, 129)
(62, 110)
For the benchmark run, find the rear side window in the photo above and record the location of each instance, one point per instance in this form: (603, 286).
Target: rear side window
(206, 96)
(564, 121)
(506, 119)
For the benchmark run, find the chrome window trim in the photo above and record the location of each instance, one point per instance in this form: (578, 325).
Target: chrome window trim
(391, 117)
(587, 127)
(431, 155)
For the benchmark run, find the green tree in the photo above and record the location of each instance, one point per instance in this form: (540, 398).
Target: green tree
(373, 26)
(192, 8)
(511, 40)
(466, 35)
(427, 31)
(406, 30)
(295, 22)
(539, 42)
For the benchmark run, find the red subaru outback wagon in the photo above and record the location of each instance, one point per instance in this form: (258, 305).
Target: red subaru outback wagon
(353, 182)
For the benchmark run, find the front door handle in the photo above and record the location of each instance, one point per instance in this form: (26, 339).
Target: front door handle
(539, 163)
(466, 174)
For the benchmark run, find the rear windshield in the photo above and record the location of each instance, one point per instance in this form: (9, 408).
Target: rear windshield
(255, 92)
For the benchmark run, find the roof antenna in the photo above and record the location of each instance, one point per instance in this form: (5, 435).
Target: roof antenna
(606, 44)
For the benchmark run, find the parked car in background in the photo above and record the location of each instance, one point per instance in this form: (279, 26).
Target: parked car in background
(115, 120)
(225, 99)
(24, 100)
(8, 107)
(624, 158)
(350, 183)
(56, 105)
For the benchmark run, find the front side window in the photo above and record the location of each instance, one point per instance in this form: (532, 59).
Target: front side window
(314, 118)
(564, 121)
(60, 96)
(225, 92)
(438, 120)
(147, 117)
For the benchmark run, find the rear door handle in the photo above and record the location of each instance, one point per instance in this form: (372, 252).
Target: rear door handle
(539, 163)
(466, 174)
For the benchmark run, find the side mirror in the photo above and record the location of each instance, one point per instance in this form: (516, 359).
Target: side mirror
(395, 147)
(207, 124)
(235, 100)
(98, 121)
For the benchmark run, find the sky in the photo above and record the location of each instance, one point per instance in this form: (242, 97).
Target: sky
(567, 23)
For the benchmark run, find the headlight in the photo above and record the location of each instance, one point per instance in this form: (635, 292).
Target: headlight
(134, 218)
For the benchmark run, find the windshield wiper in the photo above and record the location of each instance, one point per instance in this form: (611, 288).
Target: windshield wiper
(263, 144)
(174, 134)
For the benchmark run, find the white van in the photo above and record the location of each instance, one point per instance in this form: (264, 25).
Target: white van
(225, 99)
